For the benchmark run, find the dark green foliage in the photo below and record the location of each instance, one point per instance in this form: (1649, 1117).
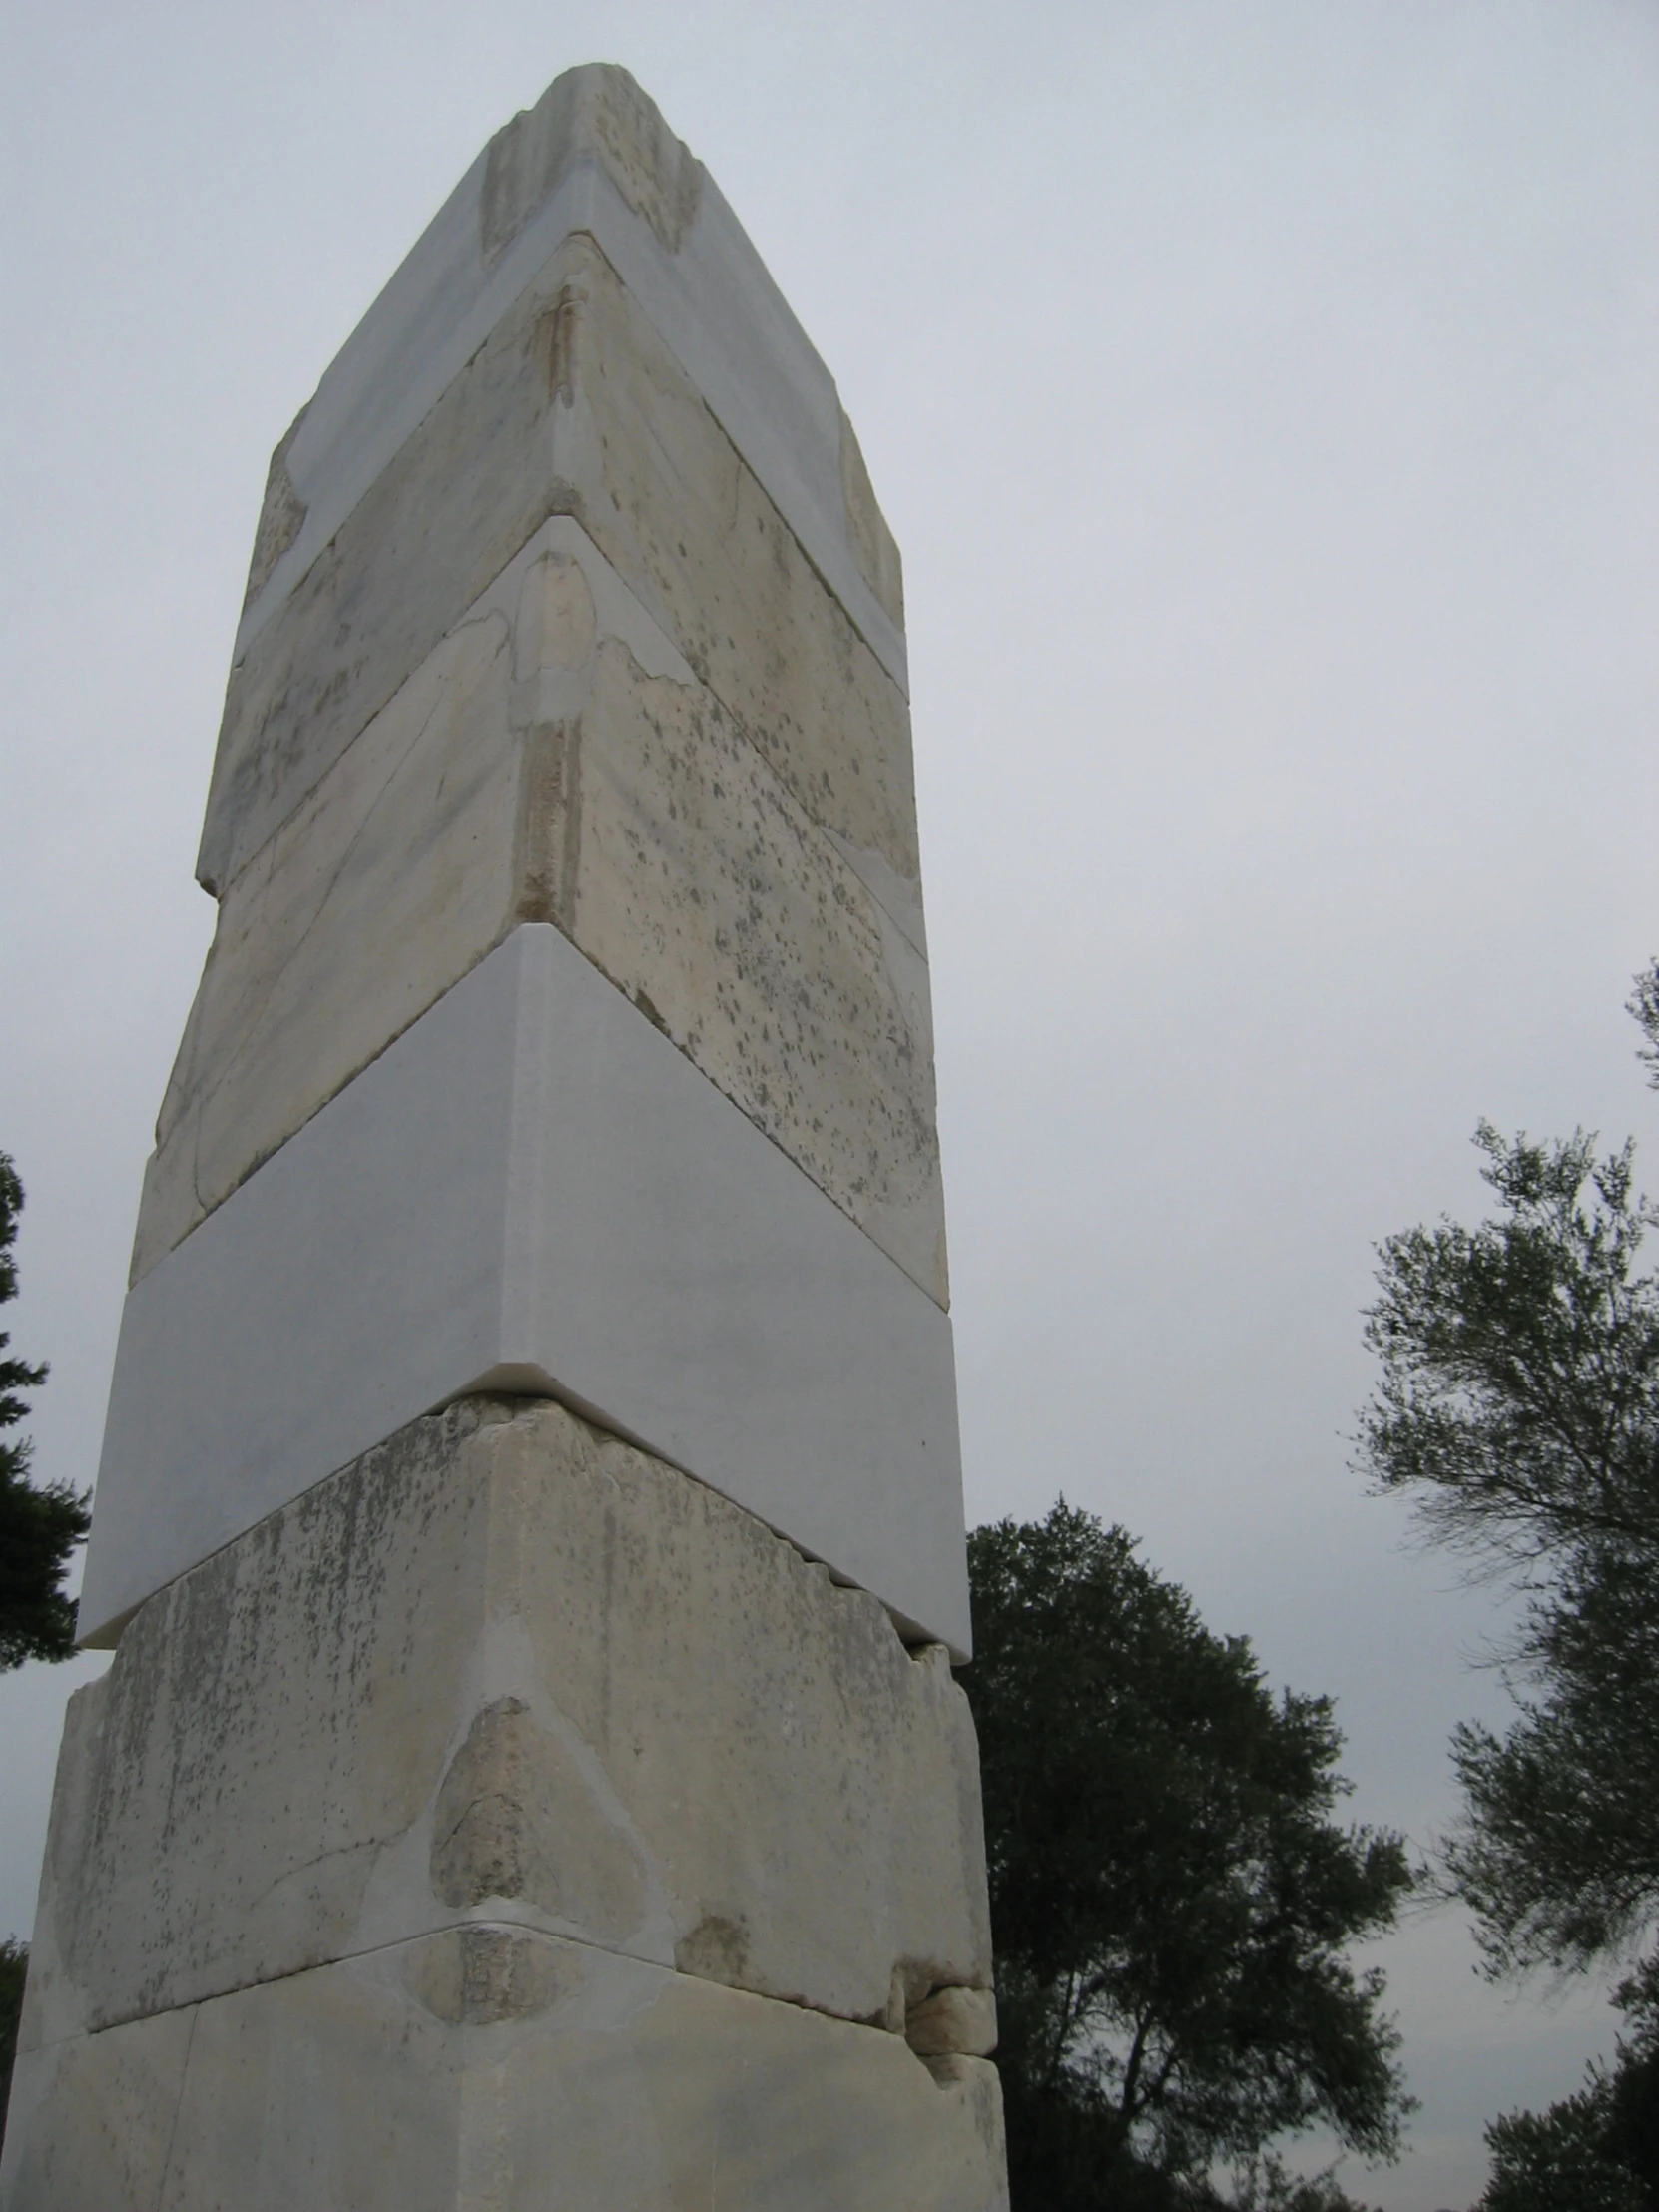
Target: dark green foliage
(1634, 2087)
(1519, 1407)
(1263, 2185)
(1557, 2161)
(1258, 2185)
(1520, 1362)
(1597, 2151)
(39, 1527)
(1170, 1900)
(14, 1963)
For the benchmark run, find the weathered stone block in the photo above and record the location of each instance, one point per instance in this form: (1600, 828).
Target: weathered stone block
(510, 1668)
(572, 405)
(730, 718)
(487, 2066)
(554, 758)
(594, 155)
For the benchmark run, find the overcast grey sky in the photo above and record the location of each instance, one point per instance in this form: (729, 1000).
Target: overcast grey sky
(1263, 397)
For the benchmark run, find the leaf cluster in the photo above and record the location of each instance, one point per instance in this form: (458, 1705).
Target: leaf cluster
(40, 1525)
(1520, 1362)
(1170, 1897)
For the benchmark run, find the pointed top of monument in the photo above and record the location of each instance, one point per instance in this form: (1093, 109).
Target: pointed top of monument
(594, 154)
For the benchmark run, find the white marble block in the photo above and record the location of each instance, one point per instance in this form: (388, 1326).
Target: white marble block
(552, 738)
(511, 1806)
(486, 2070)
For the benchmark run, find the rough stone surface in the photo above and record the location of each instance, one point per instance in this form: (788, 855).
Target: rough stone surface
(509, 1667)
(554, 758)
(486, 2067)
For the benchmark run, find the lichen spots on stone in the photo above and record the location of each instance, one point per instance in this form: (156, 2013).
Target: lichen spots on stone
(716, 1949)
(646, 1006)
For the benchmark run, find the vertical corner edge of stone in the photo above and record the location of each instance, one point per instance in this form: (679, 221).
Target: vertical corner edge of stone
(874, 547)
(941, 1266)
(83, 1713)
(212, 850)
(149, 1242)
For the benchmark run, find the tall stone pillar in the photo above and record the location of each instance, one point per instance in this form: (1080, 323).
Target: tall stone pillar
(529, 1523)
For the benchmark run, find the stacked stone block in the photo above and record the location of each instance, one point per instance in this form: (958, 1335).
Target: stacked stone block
(529, 1523)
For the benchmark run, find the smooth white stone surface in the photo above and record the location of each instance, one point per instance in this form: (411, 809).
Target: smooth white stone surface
(533, 1189)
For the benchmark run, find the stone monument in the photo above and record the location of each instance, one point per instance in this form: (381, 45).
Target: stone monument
(529, 1522)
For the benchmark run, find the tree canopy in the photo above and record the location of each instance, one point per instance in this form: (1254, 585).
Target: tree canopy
(40, 1525)
(1597, 2151)
(1171, 1901)
(14, 1966)
(1519, 1408)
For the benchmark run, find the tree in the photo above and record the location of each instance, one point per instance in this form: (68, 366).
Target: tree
(39, 1527)
(14, 1963)
(1558, 2161)
(1170, 1900)
(1519, 1408)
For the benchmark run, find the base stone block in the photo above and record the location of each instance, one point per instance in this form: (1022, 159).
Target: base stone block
(507, 1665)
(488, 2067)
(511, 1821)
